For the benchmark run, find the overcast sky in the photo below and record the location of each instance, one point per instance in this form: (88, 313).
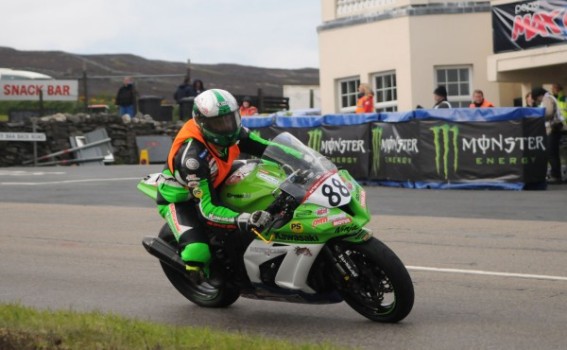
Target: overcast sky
(265, 33)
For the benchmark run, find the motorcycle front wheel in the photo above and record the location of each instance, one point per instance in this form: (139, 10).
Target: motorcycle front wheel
(200, 293)
(376, 284)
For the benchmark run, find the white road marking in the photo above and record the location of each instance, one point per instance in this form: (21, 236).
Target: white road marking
(27, 173)
(68, 181)
(488, 273)
(414, 268)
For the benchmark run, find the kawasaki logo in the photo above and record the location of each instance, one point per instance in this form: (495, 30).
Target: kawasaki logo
(445, 138)
(376, 143)
(296, 238)
(238, 195)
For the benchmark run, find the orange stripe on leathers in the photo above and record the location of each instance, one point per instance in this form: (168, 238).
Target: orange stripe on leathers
(191, 131)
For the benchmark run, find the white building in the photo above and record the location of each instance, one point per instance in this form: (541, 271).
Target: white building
(302, 96)
(405, 48)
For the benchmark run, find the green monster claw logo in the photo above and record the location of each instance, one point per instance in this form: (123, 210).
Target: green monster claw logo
(315, 138)
(376, 143)
(442, 134)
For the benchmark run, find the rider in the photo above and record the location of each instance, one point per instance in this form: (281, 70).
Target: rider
(199, 161)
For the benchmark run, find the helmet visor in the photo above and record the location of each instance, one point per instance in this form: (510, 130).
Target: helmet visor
(224, 125)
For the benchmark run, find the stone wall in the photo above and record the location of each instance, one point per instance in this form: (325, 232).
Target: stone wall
(59, 128)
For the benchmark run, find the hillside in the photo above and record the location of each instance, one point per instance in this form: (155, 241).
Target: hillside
(105, 73)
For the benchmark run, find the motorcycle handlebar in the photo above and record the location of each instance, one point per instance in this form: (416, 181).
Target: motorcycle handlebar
(281, 210)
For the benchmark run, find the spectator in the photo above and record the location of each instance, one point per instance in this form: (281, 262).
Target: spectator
(529, 100)
(198, 86)
(365, 103)
(184, 90)
(440, 98)
(126, 97)
(553, 126)
(246, 109)
(557, 91)
(478, 100)
(184, 96)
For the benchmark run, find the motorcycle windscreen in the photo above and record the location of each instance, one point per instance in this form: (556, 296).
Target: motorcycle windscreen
(309, 173)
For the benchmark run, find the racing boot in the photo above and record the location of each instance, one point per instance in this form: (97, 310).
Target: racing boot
(197, 258)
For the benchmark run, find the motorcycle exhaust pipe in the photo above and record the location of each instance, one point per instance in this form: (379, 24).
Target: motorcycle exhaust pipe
(164, 252)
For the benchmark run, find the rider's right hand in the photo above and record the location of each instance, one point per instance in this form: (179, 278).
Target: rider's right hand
(258, 220)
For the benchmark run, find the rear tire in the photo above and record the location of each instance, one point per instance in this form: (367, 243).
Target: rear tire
(383, 291)
(201, 294)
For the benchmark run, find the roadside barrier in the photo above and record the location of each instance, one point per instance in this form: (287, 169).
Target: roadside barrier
(504, 148)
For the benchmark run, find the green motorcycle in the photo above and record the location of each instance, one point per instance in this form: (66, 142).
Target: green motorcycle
(316, 250)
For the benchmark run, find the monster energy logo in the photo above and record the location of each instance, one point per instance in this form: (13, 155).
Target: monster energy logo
(376, 141)
(443, 141)
(315, 138)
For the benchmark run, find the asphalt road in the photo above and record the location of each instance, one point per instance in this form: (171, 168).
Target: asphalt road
(489, 267)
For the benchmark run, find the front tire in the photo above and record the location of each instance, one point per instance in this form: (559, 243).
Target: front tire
(202, 294)
(383, 290)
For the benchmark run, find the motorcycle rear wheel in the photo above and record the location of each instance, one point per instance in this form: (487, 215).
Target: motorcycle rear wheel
(383, 290)
(202, 294)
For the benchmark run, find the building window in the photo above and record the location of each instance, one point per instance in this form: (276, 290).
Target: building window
(457, 81)
(348, 94)
(386, 92)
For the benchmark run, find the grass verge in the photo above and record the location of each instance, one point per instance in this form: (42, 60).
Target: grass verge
(25, 328)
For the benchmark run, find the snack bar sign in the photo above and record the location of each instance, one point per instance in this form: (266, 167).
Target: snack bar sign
(29, 90)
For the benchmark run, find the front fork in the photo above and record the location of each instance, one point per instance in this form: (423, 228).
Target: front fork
(344, 267)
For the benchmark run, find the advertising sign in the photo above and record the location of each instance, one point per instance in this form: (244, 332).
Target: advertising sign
(504, 148)
(29, 90)
(346, 146)
(508, 151)
(526, 24)
(395, 151)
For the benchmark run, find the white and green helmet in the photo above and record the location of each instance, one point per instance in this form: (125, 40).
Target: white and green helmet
(216, 112)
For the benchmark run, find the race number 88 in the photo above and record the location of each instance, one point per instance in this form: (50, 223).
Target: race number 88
(335, 197)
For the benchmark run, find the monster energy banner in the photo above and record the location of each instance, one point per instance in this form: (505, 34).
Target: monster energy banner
(395, 151)
(510, 151)
(346, 146)
(423, 152)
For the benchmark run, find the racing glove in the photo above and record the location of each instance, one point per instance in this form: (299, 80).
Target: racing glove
(258, 220)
